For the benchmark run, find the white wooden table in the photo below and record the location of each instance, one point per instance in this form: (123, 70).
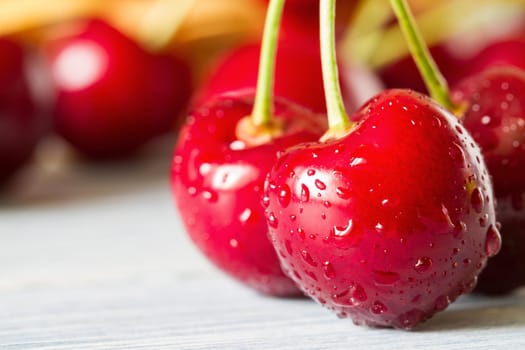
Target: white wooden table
(95, 257)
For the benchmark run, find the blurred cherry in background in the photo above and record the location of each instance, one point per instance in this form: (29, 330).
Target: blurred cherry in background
(21, 122)
(112, 96)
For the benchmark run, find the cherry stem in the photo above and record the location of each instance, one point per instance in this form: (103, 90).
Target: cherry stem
(263, 104)
(434, 80)
(337, 118)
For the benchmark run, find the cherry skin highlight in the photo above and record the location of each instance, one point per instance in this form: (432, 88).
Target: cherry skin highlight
(21, 122)
(495, 116)
(390, 223)
(112, 95)
(217, 181)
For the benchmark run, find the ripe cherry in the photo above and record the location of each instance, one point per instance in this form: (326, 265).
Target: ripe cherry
(390, 223)
(491, 106)
(391, 217)
(224, 152)
(298, 75)
(112, 95)
(21, 122)
(510, 52)
(494, 102)
(404, 72)
(218, 181)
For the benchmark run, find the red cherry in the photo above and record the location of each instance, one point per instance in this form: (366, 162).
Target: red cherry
(112, 96)
(495, 116)
(21, 123)
(218, 181)
(383, 225)
(298, 75)
(301, 17)
(501, 53)
(404, 73)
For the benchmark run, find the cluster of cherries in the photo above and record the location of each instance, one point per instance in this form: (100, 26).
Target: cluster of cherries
(103, 93)
(386, 216)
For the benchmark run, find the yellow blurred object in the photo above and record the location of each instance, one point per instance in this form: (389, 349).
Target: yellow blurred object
(197, 29)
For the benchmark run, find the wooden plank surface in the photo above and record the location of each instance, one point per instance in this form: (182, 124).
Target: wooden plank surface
(96, 258)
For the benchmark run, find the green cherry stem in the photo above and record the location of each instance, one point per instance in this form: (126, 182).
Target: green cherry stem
(338, 122)
(262, 109)
(434, 80)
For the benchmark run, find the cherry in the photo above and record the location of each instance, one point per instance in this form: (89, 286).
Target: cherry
(390, 223)
(298, 75)
(391, 216)
(490, 104)
(224, 152)
(494, 102)
(510, 52)
(405, 74)
(218, 180)
(112, 95)
(21, 122)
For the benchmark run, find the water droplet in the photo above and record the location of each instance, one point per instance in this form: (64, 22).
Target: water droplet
(411, 318)
(423, 264)
(357, 293)
(272, 220)
(441, 303)
(245, 215)
(210, 196)
(320, 185)
(493, 241)
(308, 258)
(311, 274)
(305, 193)
(476, 199)
(328, 270)
(288, 246)
(483, 220)
(378, 308)
(192, 191)
(310, 172)
(265, 201)
(284, 195)
(343, 193)
(234, 243)
(385, 277)
(456, 154)
(486, 119)
(356, 161)
(341, 231)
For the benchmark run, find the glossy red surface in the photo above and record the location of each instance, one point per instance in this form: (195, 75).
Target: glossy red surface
(495, 116)
(112, 96)
(390, 223)
(509, 52)
(217, 183)
(298, 75)
(21, 123)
